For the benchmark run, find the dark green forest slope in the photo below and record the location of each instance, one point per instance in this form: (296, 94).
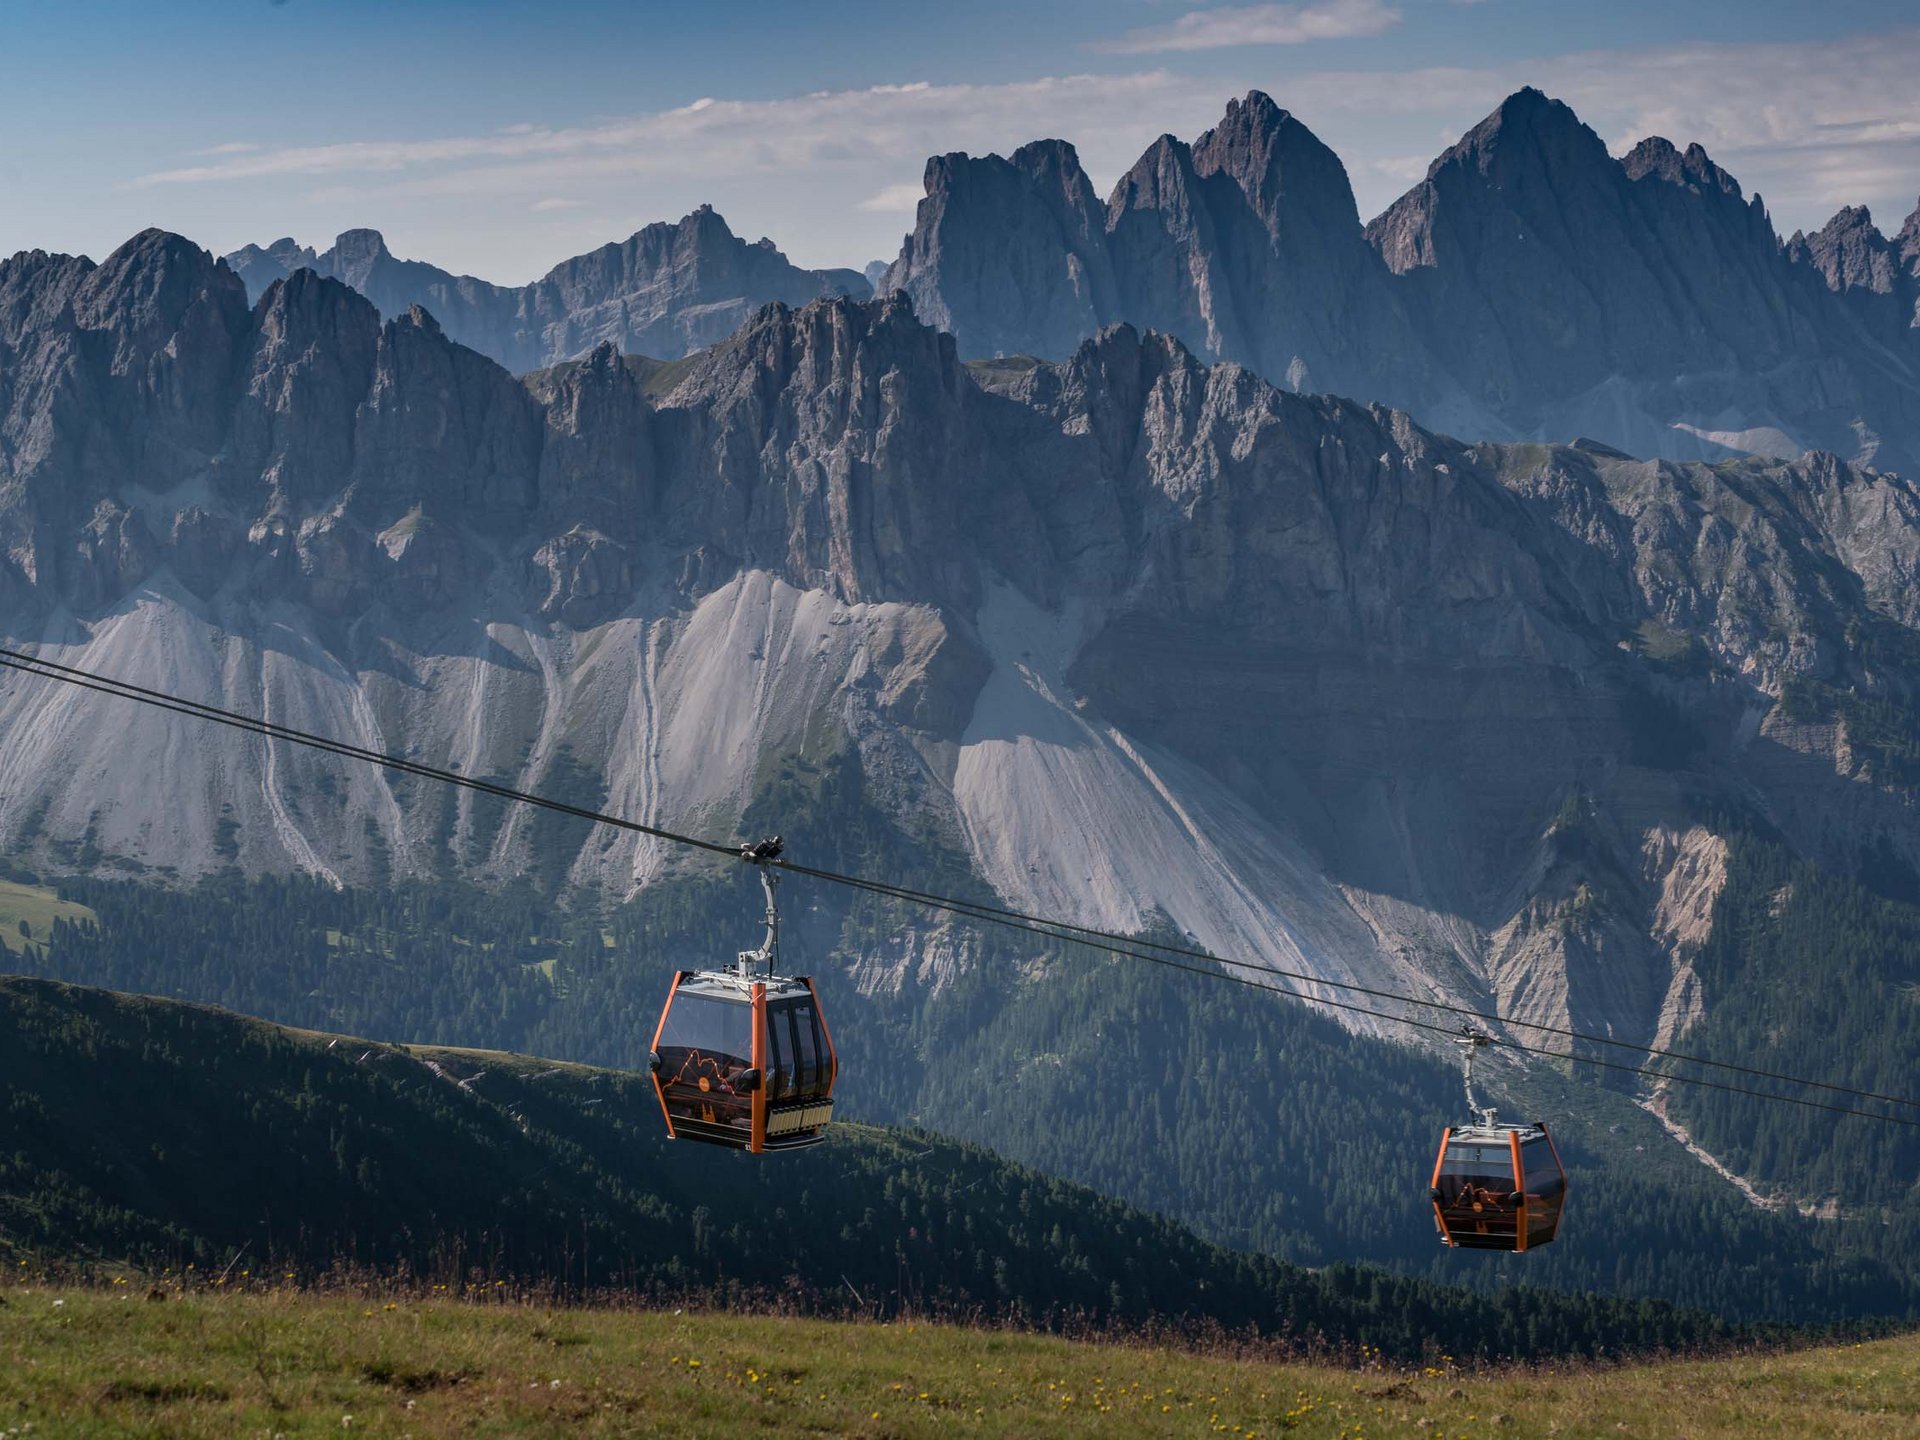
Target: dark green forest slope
(184, 1135)
(1260, 1123)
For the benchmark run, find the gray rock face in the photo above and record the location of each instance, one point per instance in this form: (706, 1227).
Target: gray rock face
(1138, 638)
(665, 291)
(1034, 279)
(1245, 245)
(1879, 278)
(1850, 253)
(1530, 287)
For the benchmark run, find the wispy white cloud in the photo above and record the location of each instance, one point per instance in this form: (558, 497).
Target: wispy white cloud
(1230, 27)
(844, 130)
(833, 174)
(554, 202)
(894, 200)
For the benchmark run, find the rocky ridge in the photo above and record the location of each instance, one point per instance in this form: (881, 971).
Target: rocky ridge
(1140, 640)
(1530, 287)
(666, 290)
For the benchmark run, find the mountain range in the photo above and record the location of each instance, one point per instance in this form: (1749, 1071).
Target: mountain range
(1531, 287)
(664, 291)
(1141, 636)
(1135, 639)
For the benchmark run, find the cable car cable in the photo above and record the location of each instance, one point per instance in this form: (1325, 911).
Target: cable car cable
(990, 917)
(983, 911)
(1058, 930)
(127, 690)
(1107, 940)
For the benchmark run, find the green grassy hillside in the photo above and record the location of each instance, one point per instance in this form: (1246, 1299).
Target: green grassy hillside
(174, 1135)
(111, 1361)
(28, 914)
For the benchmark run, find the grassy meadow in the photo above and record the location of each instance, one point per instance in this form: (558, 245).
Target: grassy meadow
(118, 1360)
(39, 906)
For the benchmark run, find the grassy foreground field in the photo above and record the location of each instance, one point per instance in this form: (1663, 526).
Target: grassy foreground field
(90, 1362)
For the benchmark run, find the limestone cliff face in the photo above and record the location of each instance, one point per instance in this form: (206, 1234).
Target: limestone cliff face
(665, 291)
(1531, 286)
(1034, 281)
(1245, 245)
(1581, 294)
(1141, 639)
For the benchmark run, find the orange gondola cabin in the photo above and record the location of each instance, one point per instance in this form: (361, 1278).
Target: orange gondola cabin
(1498, 1187)
(742, 1057)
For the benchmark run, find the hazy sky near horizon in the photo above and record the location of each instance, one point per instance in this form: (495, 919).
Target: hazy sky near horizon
(497, 138)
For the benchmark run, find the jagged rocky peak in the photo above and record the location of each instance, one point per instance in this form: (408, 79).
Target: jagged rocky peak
(698, 240)
(1531, 153)
(355, 253)
(1007, 253)
(305, 307)
(1102, 389)
(1660, 158)
(861, 492)
(1162, 178)
(258, 266)
(1053, 162)
(1850, 253)
(1285, 171)
(145, 290)
(1529, 131)
(670, 288)
(1908, 242)
(36, 287)
(1042, 176)
(703, 225)
(1038, 161)
(311, 364)
(839, 346)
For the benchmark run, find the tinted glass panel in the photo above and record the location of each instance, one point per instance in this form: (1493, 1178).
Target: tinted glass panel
(821, 1048)
(720, 1030)
(704, 1046)
(1543, 1174)
(1475, 1181)
(780, 1051)
(807, 1049)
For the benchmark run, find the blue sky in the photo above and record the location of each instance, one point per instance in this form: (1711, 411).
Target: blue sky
(498, 138)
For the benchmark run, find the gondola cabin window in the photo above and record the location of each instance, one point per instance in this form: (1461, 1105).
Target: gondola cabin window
(1546, 1191)
(706, 1046)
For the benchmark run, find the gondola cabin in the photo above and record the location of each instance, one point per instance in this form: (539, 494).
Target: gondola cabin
(742, 1057)
(744, 1062)
(1498, 1187)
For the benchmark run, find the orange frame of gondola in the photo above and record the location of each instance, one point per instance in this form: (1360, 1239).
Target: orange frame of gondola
(1520, 1189)
(1519, 1184)
(1433, 1185)
(660, 1090)
(758, 1142)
